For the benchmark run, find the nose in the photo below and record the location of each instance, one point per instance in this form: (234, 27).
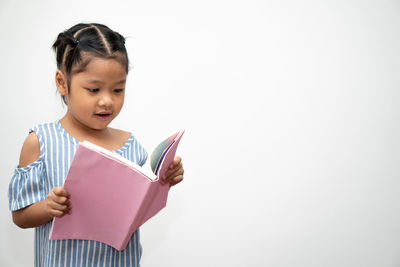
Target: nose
(105, 100)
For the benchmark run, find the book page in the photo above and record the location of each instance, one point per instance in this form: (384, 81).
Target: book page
(159, 151)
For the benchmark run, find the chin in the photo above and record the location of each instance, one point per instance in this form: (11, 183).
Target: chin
(98, 126)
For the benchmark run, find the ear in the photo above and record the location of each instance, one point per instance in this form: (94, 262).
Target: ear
(61, 83)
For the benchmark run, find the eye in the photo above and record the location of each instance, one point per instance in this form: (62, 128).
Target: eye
(93, 90)
(119, 90)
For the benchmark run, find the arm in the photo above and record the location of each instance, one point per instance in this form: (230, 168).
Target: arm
(56, 203)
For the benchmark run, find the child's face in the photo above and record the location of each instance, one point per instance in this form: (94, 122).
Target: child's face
(97, 94)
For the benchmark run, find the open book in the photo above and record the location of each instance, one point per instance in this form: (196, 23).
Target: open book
(112, 196)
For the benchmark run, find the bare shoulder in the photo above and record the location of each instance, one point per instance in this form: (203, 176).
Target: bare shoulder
(30, 150)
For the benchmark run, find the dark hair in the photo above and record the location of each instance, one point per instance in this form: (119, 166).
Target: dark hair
(95, 40)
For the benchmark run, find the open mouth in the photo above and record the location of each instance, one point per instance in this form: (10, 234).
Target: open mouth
(103, 116)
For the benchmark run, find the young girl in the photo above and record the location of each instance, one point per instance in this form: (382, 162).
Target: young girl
(92, 67)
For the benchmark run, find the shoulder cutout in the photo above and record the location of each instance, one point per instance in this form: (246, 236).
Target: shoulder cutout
(30, 150)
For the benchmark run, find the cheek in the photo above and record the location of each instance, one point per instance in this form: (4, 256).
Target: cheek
(120, 101)
(81, 105)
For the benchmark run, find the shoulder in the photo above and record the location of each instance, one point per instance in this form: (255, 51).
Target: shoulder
(119, 137)
(30, 151)
(130, 147)
(120, 134)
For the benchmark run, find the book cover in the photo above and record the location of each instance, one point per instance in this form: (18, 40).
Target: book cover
(111, 198)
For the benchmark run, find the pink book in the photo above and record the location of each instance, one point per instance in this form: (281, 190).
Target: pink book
(111, 196)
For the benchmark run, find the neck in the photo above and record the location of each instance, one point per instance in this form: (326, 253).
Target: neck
(81, 131)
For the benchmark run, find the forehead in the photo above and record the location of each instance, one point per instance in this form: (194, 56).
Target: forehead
(100, 69)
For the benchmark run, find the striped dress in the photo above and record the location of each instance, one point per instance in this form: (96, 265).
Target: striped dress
(32, 183)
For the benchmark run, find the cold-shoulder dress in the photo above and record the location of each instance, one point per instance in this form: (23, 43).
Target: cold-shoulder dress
(32, 183)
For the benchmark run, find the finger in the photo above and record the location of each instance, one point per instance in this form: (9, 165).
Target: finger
(169, 179)
(176, 180)
(175, 162)
(178, 171)
(173, 177)
(57, 206)
(56, 213)
(64, 212)
(59, 199)
(59, 191)
(169, 172)
(168, 176)
(68, 210)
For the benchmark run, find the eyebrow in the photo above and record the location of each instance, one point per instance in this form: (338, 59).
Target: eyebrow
(98, 81)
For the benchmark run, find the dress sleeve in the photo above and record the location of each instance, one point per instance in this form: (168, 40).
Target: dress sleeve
(26, 185)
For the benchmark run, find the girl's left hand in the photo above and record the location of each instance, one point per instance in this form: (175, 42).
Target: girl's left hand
(174, 173)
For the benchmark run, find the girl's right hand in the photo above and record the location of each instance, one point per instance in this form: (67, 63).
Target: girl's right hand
(57, 202)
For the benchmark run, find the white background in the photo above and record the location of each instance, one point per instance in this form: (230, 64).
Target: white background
(291, 109)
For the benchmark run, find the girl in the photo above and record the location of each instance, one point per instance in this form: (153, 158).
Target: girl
(92, 67)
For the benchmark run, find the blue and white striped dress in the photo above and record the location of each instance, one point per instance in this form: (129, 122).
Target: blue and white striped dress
(32, 183)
